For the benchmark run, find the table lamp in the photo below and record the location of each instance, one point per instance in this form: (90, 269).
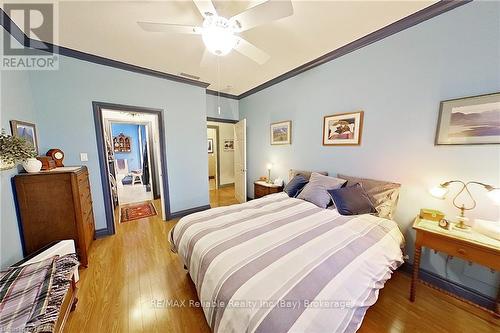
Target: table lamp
(269, 167)
(441, 190)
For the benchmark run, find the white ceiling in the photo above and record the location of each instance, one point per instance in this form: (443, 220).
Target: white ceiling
(109, 29)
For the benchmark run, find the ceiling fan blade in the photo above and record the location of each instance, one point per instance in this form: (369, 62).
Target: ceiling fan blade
(171, 28)
(263, 13)
(251, 51)
(206, 7)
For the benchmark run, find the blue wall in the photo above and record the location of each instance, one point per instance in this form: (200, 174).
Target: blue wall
(16, 103)
(399, 83)
(60, 103)
(134, 156)
(64, 116)
(229, 108)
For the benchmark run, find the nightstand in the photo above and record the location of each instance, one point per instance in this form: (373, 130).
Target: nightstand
(261, 188)
(471, 246)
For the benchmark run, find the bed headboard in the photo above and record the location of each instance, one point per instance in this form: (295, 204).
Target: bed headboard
(307, 174)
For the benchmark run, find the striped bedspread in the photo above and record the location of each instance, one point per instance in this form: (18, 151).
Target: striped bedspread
(279, 264)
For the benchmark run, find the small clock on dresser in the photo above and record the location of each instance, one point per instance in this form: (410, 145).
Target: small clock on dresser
(57, 155)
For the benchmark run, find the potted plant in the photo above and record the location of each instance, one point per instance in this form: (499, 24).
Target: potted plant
(14, 150)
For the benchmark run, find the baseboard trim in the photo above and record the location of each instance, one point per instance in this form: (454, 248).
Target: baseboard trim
(226, 185)
(452, 287)
(185, 212)
(100, 233)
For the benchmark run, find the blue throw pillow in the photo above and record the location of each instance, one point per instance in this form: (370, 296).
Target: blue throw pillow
(295, 185)
(352, 200)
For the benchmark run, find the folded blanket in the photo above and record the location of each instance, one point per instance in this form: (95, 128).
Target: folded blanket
(23, 293)
(61, 280)
(31, 296)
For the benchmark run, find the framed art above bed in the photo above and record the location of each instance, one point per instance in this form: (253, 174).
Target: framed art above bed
(469, 121)
(281, 133)
(343, 129)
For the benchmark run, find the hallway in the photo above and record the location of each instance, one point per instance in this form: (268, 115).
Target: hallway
(224, 196)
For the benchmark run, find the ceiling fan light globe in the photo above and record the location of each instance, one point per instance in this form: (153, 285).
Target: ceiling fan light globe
(218, 36)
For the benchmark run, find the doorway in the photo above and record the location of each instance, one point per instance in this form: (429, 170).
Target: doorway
(130, 158)
(131, 150)
(222, 159)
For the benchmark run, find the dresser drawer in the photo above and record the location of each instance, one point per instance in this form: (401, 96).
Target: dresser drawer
(260, 191)
(463, 250)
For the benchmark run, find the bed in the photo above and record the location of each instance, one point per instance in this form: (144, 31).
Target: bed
(281, 264)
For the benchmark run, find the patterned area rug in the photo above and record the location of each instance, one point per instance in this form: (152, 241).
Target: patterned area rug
(137, 211)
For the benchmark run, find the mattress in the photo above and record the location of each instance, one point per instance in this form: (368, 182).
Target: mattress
(280, 264)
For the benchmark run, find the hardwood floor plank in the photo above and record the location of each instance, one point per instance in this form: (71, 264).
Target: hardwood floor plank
(130, 271)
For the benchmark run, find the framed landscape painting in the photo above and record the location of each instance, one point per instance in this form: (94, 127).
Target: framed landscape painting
(343, 129)
(281, 133)
(469, 121)
(25, 130)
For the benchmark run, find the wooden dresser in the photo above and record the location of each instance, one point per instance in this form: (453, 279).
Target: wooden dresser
(261, 188)
(56, 205)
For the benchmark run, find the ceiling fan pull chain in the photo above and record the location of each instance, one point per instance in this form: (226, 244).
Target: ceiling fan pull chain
(218, 83)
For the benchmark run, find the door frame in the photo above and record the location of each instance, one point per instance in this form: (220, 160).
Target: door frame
(101, 152)
(217, 161)
(245, 169)
(222, 120)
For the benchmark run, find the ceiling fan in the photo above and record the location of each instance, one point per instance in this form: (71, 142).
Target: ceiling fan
(221, 35)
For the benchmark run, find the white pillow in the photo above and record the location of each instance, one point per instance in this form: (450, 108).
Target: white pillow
(316, 190)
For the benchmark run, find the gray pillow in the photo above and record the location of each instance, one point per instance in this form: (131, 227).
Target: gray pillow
(384, 195)
(307, 174)
(352, 200)
(295, 185)
(316, 191)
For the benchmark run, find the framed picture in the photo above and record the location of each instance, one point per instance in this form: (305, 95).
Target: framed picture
(469, 121)
(228, 145)
(25, 130)
(281, 133)
(210, 146)
(343, 129)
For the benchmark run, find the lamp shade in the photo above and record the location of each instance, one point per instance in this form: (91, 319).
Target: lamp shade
(438, 192)
(494, 195)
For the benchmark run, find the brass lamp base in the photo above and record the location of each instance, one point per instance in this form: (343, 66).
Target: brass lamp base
(461, 224)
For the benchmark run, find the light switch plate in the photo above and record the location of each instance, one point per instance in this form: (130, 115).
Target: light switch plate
(84, 157)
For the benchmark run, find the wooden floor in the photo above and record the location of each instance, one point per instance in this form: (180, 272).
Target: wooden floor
(224, 196)
(132, 274)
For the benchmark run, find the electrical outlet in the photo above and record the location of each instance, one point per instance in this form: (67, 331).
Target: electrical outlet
(84, 157)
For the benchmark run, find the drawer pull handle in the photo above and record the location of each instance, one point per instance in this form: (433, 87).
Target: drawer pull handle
(461, 251)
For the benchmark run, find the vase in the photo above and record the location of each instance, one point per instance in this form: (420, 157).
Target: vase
(32, 165)
(6, 165)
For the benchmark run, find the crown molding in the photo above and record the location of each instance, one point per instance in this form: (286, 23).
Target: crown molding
(407, 22)
(221, 94)
(23, 39)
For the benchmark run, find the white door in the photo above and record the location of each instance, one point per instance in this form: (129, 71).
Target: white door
(157, 157)
(240, 160)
